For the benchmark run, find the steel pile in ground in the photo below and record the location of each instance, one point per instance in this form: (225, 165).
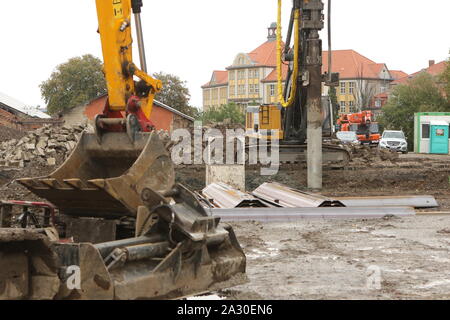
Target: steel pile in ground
(294, 214)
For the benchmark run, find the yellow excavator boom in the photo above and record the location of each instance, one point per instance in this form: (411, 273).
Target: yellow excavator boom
(115, 28)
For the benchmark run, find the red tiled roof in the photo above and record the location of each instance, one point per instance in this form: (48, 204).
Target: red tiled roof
(218, 78)
(348, 63)
(397, 74)
(265, 54)
(272, 77)
(434, 70)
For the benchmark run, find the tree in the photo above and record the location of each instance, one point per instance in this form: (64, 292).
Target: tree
(421, 94)
(174, 93)
(74, 83)
(445, 80)
(334, 102)
(364, 91)
(230, 113)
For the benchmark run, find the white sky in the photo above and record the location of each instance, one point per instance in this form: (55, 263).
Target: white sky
(193, 38)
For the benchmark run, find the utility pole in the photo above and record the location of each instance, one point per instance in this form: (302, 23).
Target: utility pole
(312, 23)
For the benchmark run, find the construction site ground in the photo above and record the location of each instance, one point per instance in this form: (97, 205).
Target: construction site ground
(332, 259)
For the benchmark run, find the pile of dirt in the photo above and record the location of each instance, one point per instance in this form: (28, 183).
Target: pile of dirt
(46, 146)
(7, 134)
(368, 155)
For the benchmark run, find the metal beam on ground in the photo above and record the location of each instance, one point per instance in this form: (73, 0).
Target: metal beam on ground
(408, 201)
(224, 196)
(295, 214)
(283, 196)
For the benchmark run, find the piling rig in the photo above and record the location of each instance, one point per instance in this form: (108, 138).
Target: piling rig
(301, 118)
(130, 232)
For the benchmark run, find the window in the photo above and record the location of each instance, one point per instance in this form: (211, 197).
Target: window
(206, 95)
(378, 103)
(272, 90)
(232, 91)
(351, 104)
(240, 74)
(223, 93)
(265, 115)
(440, 132)
(256, 73)
(351, 87)
(342, 87)
(342, 106)
(256, 89)
(425, 131)
(394, 135)
(241, 89)
(231, 75)
(251, 89)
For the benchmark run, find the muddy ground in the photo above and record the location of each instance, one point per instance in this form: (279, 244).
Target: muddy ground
(404, 258)
(394, 258)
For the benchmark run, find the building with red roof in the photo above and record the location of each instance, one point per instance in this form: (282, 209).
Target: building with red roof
(434, 69)
(252, 78)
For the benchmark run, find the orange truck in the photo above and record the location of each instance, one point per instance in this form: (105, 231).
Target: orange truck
(362, 123)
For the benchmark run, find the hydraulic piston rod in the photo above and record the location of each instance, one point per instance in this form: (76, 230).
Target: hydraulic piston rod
(137, 5)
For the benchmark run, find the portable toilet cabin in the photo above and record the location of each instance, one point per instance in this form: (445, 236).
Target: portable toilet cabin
(424, 133)
(439, 136)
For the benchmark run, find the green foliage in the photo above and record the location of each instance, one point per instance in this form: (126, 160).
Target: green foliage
(230, 113)
(421, 94)
(334, 102)
(175, 93)
(445, 80)
(74, 83)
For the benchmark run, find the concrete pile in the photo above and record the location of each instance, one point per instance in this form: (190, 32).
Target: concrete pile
(46, 146)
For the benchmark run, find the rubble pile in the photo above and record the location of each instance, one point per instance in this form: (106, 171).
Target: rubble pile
(368, 154)
(7, 134)
(47, 146)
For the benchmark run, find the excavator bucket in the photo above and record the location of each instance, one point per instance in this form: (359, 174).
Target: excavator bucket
(178, 248)
(104, 177)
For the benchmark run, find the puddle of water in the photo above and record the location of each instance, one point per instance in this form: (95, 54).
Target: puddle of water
(365, 249)
(438, 259)
(433, 284)
(208, 297)
(270, 252)
(390, 251)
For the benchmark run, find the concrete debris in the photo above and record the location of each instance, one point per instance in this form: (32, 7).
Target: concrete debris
(50, 145)
(51, 161)
(370, 155)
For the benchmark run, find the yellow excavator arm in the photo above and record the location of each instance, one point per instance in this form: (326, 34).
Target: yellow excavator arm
(115, 28)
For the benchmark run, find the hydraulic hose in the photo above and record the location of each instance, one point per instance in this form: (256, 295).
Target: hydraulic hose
(293, 92)
(329, 43)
